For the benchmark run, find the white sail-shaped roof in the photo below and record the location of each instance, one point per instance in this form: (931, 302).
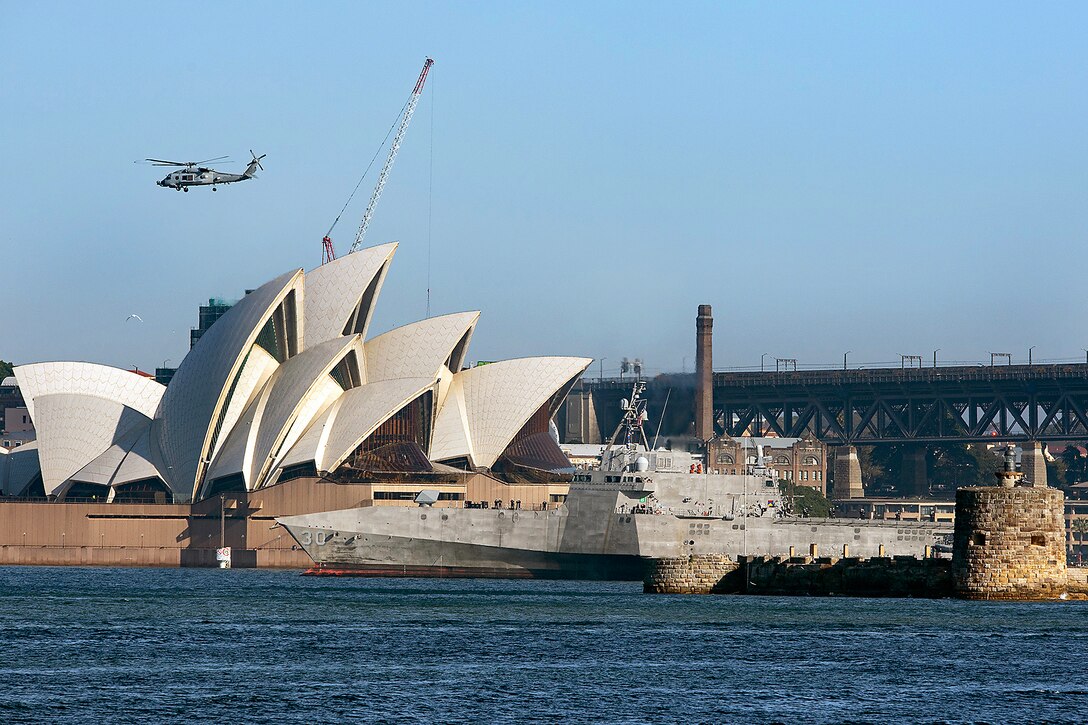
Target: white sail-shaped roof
(311, 444)
(236, 454)
(103, 468)
(127, 460)
(52, 378)
(489, 404)
(362, 410)
(450, 437)
(188, 421)
(340, 295)
(339, 430)
(256, 371)
(139, 463)
(73, 430)
(300, 384)
(421, 349)
(282, 379)
(300, 388)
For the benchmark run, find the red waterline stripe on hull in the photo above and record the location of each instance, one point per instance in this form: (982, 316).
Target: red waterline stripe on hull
(434, 572)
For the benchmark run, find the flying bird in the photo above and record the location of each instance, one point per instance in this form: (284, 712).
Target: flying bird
(134, 316)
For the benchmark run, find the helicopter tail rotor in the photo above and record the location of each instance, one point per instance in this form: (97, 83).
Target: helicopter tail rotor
(257, 159)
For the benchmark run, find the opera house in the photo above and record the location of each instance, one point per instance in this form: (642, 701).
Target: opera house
(284, 406)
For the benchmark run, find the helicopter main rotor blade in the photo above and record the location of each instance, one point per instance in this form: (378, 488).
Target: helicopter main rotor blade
(162, 162)
(208, 161)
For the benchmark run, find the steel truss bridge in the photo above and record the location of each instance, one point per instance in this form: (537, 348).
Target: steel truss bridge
(921, 405)
(886, 405)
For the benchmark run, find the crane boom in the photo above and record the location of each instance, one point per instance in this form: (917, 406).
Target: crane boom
(408, 111)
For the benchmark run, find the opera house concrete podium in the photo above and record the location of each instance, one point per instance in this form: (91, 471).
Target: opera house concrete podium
(286, 387)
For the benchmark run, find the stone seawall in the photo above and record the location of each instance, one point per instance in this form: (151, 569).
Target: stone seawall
(696, 574)
(1077, 582)
(900, 576)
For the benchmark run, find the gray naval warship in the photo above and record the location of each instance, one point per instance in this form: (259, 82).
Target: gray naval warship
(639, 504)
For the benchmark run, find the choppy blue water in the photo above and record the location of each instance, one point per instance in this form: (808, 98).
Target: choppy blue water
(139, 645)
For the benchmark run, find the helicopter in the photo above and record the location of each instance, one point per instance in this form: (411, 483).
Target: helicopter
(193, 173)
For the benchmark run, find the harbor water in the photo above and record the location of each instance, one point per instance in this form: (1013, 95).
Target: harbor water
(140, 645)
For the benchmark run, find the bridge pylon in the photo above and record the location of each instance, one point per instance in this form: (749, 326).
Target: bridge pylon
(847, 474)
(1033, 464)
(915, 478)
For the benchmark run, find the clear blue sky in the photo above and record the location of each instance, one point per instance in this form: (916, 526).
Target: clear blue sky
(881, 178)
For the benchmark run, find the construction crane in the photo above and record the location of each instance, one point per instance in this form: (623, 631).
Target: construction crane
(328, 251)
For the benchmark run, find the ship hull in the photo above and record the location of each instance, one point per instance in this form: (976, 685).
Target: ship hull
(357, 553)
(585, 539)
(454, 542)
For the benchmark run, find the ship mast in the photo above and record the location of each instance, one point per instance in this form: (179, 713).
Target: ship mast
(631, 424)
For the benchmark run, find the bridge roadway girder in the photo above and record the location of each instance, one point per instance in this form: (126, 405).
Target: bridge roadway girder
(893, 405)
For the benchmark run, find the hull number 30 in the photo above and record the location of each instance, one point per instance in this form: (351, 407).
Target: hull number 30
(319, 538)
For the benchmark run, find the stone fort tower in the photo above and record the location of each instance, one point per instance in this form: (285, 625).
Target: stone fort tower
(1009, 540)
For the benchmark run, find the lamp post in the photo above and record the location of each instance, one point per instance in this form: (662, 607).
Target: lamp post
(844, 358)
(766, 354)
(601, 361)
(1029, 354)
(935, 356)
(744, 498)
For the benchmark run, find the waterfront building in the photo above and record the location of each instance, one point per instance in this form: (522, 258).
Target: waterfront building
(286, 385)
(10, 397)
(16, 427)
(206, 317)
(798, 460)
(897, 509)
(16, 438)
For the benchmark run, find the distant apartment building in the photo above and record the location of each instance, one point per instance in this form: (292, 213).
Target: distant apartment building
(14, 439)
(208, 314)
(206, 317)
(16, 428)
(17, 420)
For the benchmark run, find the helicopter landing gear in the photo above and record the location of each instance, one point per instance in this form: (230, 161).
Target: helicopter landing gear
(214, 189)
(185, 189)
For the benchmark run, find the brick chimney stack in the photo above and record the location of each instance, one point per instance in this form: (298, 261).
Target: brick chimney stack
(704, 374)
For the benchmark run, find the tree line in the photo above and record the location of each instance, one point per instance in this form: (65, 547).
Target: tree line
(952, 465)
